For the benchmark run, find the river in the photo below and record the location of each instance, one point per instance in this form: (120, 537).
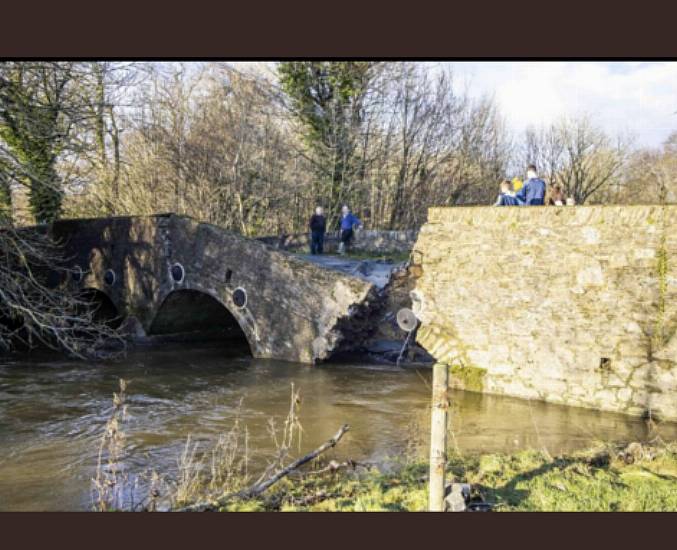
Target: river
(53, 411)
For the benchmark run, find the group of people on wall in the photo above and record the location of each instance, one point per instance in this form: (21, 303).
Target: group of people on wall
(533, 192)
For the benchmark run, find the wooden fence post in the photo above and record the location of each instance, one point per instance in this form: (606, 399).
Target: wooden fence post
(438, 436)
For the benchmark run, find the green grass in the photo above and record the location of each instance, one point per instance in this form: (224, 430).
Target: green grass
(595, 480)
(531, 481)
(346, 492)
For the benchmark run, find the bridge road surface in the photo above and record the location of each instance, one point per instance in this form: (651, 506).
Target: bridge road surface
(377, 272)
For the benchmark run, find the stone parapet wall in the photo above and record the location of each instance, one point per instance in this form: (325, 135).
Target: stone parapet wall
(364, 240)
(572, 305)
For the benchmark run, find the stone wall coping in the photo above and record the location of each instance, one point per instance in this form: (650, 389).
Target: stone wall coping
(567, 215)
(411, 233)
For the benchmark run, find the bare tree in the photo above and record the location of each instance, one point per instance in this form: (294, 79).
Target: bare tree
(40, 106)
(34, 311)
(650, 176)
(104, 87)
(593, 160)
(429, 145)
(578, 155)
(545, 148)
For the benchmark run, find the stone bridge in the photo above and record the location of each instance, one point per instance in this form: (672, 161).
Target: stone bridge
(165, 275)
(576, 306)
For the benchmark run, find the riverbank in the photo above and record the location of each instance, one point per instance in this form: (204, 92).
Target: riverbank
(605, 478)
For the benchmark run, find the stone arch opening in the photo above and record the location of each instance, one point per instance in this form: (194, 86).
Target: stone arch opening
(192, 315)
(104, 310)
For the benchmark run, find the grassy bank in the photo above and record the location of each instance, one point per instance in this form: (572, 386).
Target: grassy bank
(635, 478)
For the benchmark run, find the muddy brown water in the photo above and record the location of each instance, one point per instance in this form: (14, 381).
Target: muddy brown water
(52, 413)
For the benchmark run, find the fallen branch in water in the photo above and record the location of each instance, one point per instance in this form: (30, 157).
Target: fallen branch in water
(260, 487)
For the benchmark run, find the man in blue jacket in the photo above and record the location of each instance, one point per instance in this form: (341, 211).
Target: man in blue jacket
(533, 191)
(348, 223)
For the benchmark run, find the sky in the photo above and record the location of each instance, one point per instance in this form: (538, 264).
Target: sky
(631, 98)
(621, 97)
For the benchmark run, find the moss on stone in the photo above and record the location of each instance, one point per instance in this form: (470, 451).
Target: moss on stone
(468, 377)
(662, 269)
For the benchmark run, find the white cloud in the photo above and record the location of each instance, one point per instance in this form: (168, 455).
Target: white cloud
(635, 97)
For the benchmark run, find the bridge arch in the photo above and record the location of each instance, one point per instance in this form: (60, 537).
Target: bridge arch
(105, 309)
(191, 313)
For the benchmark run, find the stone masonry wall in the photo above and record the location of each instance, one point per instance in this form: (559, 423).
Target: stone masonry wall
(572, 305)
(365, 240)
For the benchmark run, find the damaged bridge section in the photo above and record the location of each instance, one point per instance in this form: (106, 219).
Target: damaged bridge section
(167, 274)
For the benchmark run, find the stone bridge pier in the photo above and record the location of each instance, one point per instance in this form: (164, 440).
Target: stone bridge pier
(166, 275)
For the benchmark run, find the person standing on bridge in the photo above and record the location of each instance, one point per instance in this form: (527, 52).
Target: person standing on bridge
(348, 223)
(533, 192)
(318, 227)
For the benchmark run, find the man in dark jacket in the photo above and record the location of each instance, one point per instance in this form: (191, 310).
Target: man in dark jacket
(533, 191)
(318, 226)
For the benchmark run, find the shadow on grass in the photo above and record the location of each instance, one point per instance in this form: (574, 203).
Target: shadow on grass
(508, 494)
